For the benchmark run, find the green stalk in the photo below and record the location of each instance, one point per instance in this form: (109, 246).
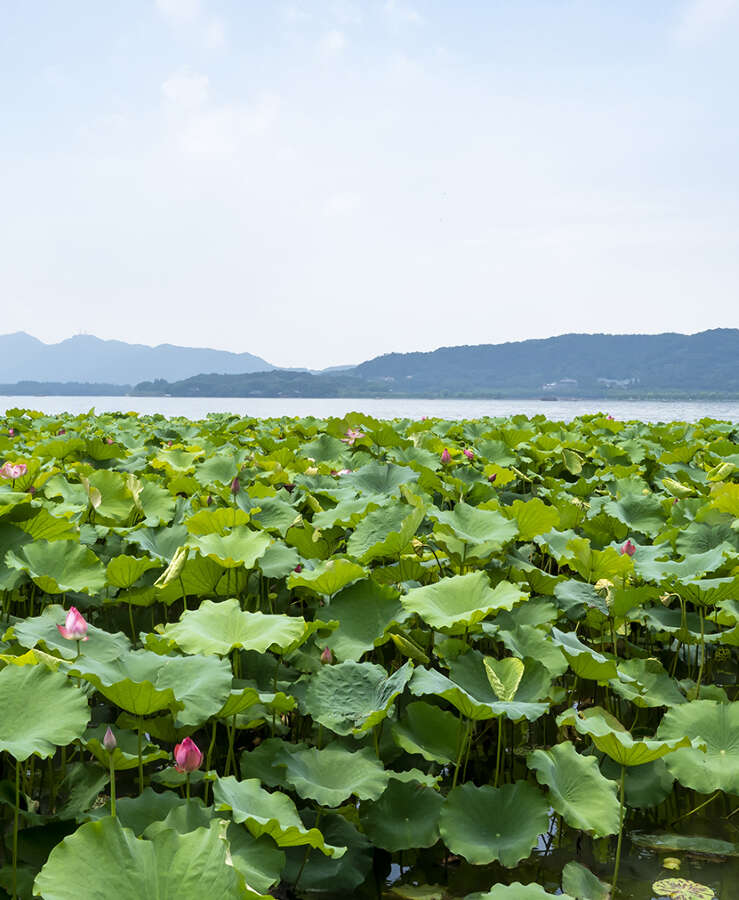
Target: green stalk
(208, 759)
(141, 759)
(703, 655)
(620, 829)
(498, 754)
(187, 788)
(15, 827)
(111, 769)
(460, 754)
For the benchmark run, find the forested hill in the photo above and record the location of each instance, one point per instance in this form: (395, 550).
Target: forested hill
(573, 365)
(570, 364)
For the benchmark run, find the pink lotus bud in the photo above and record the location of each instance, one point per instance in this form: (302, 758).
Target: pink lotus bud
(629, 548)
(491, 478)
(209, 501)
(109, 440)
(11, 432)
(424, 418)
(187, 757)
(446, 456)
(674, 501)
(298, 568)
(169, 443)
(31, 489)
(327, 656)
(109, 741)
(235, 485)
(74, 627)
(610, 418)
(13, 470)
(62, 431)
(470, 454)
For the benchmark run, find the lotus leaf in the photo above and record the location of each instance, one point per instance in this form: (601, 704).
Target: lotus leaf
(58, 566)
(42, 710)
(240, 547)
(386, 531)
(429, 731)
(334, 774)
(484, 824)
(682, 889)
(577, 790)
(714, 724)
(461, 600)
(405, 816)
(516, 891)
(328, 578)
(581, 884)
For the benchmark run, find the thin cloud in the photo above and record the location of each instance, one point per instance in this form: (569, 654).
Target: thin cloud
(402, 13)
(179, 11)
(332, 42)
(700, 20)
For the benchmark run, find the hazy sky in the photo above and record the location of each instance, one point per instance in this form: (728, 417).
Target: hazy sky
(319, 182)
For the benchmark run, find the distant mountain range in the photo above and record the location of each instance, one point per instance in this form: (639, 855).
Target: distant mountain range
(704, 365)
(85, 358)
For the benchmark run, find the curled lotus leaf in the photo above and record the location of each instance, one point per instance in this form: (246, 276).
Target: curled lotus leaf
(516, 891)
(682, 889)
(461, 600)
(334, 774)
(328, 577)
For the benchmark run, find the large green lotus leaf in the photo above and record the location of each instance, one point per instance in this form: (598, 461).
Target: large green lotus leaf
(581, 884)
(159, 543)
(534, 517)
(517, 891)
(405, 817)
(577, 790)
(527, 640)
(432, 682)
(648, 567)
(267, 813)
(124, 571)
(641, 512)
(584, 661)
(352, 697)
(338, 877)
(708, 591)
(611, 738)
(131, 681)
(504, 675)
(382, 479)
(42, 526)
(334, 774)
(691, 843)
(41, 710)
(699, 537)
(325, 449)
(475, 526)
(217, 628)
(646, 683)
(485, 824)
(156, 502)
(216, 521)
(593, 565)
(41, 631)
(717, 726)
(328, 577)
(219, 468)
(461, 600)
(275, 515)
(126, 753)
(365, 611)
(104, 860)
(278, 560)
(577, 597)
(644, 786)
(385, 532)
(240, 547)
(59, 566)
(429, 731)
(116, 500)
(258, 860)
(175, 459)
(347, 512)
(472, 671)
(201, 683)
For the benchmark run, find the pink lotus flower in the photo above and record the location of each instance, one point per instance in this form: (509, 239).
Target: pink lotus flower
(11, 432)
(74, 627)
(62, 431)
(108, 440)
(169, 443)
(628, 547)
(352, 435)
(470, 454)
(13, 470)
(235, 485)
(610, 418)
(446, 456)
(327, 656)
(109, 741)
(187, 757)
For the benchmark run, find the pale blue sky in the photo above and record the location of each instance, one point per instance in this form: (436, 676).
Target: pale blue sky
(321, 182)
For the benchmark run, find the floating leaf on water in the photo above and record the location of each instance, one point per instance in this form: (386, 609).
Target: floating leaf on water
(682, 889)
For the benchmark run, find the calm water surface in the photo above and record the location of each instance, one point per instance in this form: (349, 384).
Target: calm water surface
(266, 407)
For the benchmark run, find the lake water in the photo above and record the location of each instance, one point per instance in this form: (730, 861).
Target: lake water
(383, 408)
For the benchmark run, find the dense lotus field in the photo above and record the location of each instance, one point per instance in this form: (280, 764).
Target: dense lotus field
(352, 658)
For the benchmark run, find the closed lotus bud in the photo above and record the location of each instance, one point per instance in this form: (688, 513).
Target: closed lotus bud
(327, 656)
(235, 485)
(62, 431)
(446, 456)
(109, 440)
(491, 478)
(11, 432)
(470, 454)
(187, 756)
(74, 627)
(628, 548)
(174, 569)
(31, 490)
(209, 501)
(109, 741)
(298, 568)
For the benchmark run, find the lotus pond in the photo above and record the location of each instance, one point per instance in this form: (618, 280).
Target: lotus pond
(347, 657)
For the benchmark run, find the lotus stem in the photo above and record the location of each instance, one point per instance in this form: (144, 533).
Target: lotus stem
(208, 759)
(187, 786)
(620, 829)
(141, 759)
(460, 754)
(130, 623)
(111, 769)
(498, 754)
(703, 654)
(15, 827)
(695, 809)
